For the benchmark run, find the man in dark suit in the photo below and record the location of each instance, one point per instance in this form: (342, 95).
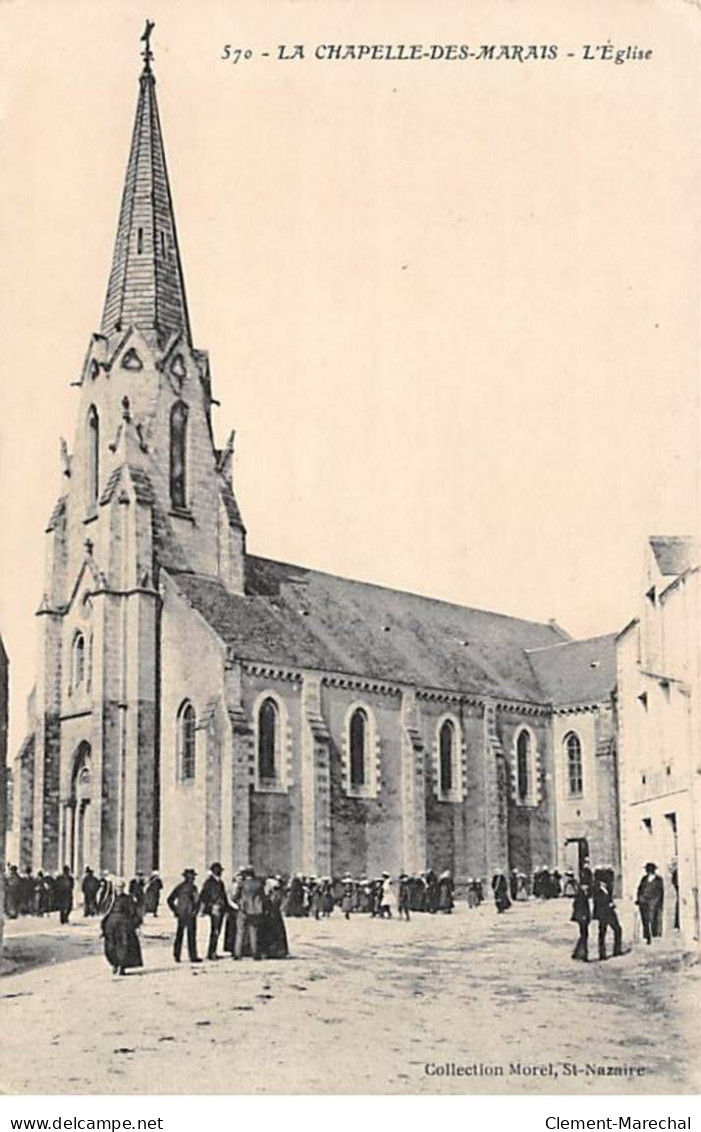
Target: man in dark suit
(63, 894)
(183, 903)
(249, 898)
(90, 887)
(586, 876)
(604, 910)
(650, 900)
(26, 892)
(213, 903)
(581, 915)
(513, 884)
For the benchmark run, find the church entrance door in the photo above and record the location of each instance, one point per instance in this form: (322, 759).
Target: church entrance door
(576, 853)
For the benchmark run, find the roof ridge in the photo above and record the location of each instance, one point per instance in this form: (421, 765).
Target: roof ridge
(573, 641)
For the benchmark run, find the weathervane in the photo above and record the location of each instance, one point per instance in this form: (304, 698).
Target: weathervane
(147, 53)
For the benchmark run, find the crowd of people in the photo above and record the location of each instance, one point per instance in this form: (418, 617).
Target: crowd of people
(380, 896)
(544, 884)
(248, 919)
(27, 894)
(594, 901)
(41, 893)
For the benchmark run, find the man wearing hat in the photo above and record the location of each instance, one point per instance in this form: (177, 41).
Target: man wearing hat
(249, 898)
(650, 901)
(214, 903)
(347, 901)
(604, 910)
(403, 899)
(183, 903)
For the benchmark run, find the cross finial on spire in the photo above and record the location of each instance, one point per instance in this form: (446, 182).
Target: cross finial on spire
(147, 53)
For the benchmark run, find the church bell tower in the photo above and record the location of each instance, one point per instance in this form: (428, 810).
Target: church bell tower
(143, 488)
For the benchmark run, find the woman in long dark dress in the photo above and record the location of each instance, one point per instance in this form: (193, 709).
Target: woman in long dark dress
(500, 887)
(152, 894)
(446, 902)
(122, 947)
(274, 942)
(294, 902)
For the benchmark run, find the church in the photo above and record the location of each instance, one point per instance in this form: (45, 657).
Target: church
(195, 702)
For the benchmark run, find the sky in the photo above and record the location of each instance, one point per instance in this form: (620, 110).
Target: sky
(451, 307)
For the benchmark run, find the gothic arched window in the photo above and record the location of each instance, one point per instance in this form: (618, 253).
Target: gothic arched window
(523, 766)
(186, 741)
(78, 661)
(268, 740)
(446, 753)
(93, 456)
(575, 778)
(178, 456)
(358, 736)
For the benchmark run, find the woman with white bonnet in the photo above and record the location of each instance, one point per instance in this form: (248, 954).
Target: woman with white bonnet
(122, 947)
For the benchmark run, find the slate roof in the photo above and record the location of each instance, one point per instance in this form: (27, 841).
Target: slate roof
(674, 554)
(577, 672)
(57, 513)
(143, 488)
(302, 618)
(146, 287)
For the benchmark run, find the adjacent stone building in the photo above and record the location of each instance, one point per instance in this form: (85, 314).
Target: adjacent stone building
(5, 777)
(659, 684)
(195, 701)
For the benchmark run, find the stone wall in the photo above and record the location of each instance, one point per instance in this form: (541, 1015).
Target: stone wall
(4, 715)
(592, 814)
(311, 819)
(531, 837)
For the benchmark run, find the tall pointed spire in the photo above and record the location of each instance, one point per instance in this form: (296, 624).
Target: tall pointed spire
(146, 287)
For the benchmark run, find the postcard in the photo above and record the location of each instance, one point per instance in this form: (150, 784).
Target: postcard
(350, 601)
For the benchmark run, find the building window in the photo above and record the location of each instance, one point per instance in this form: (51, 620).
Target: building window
(268, 741)
(360, 753)
(523, 767)
(93, 456)
(573, 749)
(271, 744)
(178, 456)
(358, 744)
(447, 760)
(446, 751)
(78, 661)
(186, 741)
(139, 241)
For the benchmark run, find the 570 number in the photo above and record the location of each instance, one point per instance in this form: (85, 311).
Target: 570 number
(235, 54)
